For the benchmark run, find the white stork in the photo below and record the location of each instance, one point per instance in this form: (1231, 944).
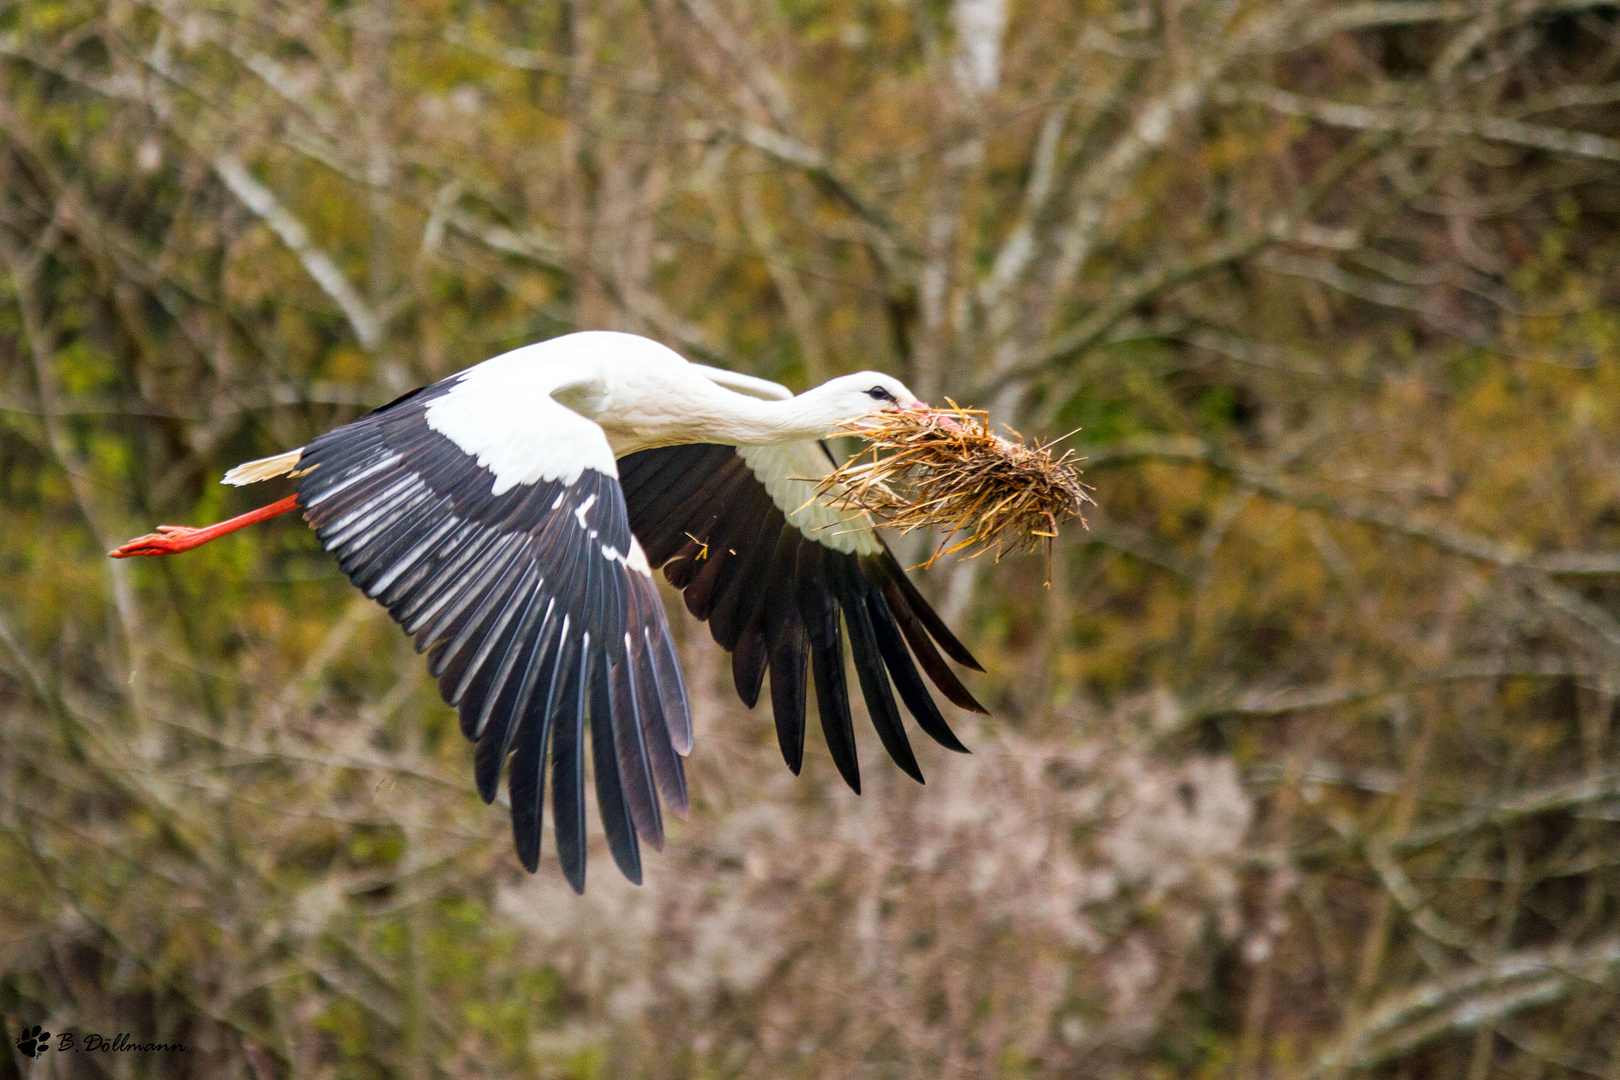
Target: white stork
(510, 518)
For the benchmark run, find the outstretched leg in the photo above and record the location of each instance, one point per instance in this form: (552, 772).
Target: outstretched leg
(170, 539)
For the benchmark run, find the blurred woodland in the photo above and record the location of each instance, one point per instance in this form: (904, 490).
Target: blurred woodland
(1306, 765)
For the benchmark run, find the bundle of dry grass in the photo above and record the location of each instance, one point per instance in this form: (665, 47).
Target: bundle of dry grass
(945, 469)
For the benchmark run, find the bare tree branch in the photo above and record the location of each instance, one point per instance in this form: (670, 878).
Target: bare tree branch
(1427, 122)
(1462, 1002)
(368, 328)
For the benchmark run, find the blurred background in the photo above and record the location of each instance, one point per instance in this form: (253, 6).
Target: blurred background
(1305, 765)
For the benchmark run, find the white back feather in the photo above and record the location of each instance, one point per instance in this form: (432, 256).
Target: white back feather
(745, 384)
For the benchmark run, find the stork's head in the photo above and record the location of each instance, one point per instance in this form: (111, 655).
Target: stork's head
(850, 397)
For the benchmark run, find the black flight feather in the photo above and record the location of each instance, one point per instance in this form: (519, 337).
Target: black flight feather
(527, 778)
(913, 691)
(925, 613)
(869, 669)
(778, 600)
(610, 800)
(635, 772)
(568, 770)
(820, 614)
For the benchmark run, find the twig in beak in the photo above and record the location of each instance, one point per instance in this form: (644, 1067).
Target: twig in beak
(945, 469)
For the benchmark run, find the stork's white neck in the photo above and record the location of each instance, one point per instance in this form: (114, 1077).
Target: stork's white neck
(755, 422)
(697, 412)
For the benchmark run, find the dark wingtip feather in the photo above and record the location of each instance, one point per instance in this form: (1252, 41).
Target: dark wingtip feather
(567, 774)
(845, 575)
(525, 710)
(913, 691)
(672, 690)
(636, 783)
(885, 568)
(610, 797)
(832, 702)
(526, 781)
(737, 613)
(927, 655)
(529, 856)
(748, 666)
(789, 662)
(682, 809)
(819, 611)
(657, 738)
(575, 875)
(786, 651)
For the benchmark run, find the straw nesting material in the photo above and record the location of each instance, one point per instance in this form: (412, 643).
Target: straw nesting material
(945, 469)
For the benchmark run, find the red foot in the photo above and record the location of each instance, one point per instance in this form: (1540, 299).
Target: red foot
(166, 541)
(170, 539)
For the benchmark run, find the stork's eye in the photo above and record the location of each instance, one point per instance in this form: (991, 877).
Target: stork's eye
(877, 393)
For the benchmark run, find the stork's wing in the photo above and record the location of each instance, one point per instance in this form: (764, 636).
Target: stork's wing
(739, 532)
(505, 548)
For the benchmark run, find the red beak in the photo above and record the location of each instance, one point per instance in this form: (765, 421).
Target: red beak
(944, 420)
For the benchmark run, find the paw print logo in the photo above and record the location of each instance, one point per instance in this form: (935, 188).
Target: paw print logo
(34, 1042)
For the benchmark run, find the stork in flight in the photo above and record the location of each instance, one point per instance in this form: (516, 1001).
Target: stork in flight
(510, 518)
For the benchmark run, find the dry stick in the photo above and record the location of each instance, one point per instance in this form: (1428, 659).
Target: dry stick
(368, 327)
(1278, 887)
(1462, 1001)
(1481, 1056)
(1378, 926)
(1594, 720)
(1567, 795)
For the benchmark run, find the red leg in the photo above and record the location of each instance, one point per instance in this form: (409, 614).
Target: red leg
(170, 539)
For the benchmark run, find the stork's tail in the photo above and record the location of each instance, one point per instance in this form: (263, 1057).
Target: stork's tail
(251, 472)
